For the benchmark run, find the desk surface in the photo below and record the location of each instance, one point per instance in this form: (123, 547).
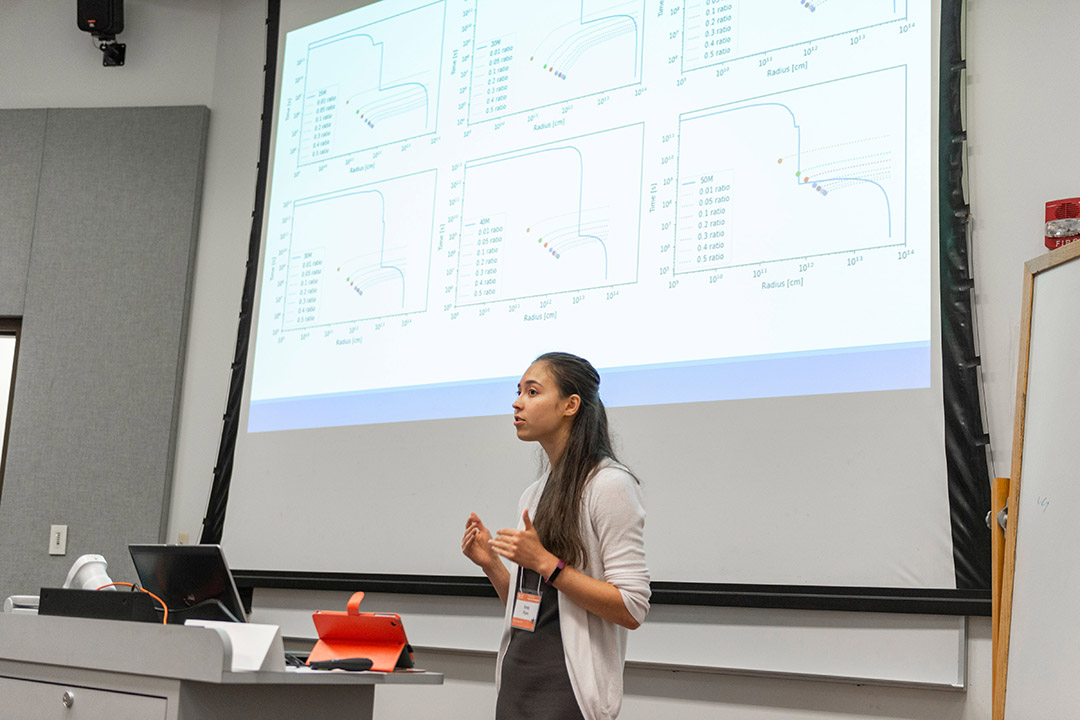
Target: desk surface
(164, 651)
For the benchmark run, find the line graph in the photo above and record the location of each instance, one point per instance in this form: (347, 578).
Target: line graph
(720, 31)
(818, 178)
(552, 218)
(360, 253)
(372, 85)
(558, 51)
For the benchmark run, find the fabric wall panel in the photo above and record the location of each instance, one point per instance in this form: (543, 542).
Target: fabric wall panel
(22, 137)
(104, 330)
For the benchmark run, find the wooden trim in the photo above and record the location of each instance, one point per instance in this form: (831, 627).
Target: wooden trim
(1053, 258)
(999, 497)
(1032, 268)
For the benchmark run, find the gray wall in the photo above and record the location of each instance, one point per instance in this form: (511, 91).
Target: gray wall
(99, 214)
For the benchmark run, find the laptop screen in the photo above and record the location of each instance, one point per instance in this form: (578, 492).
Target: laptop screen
(192, 580)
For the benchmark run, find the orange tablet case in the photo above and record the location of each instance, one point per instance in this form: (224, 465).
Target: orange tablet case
(350, 634)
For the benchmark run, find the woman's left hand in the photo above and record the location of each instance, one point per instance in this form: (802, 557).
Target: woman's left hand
(523, 547)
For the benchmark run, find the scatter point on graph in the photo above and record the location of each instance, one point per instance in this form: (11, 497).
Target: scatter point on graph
(779, 161)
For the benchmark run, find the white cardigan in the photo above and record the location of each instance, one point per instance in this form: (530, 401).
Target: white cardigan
(613, 524)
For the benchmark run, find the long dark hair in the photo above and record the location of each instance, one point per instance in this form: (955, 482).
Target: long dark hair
(558, 515)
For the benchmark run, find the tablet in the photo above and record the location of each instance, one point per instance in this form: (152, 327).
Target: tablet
(379, 637)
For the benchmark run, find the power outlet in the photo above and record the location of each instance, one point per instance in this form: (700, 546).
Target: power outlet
(58, 540)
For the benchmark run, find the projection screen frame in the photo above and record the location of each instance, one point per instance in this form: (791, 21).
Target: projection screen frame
(966, 450)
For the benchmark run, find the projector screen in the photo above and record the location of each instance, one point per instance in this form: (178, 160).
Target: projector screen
(725, 205)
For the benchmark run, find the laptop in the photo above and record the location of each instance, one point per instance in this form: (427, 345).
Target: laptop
(194, 581)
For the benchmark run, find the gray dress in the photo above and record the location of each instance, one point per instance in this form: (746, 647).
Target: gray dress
(535, 684)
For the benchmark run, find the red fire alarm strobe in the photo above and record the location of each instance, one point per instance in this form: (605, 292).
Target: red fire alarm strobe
(1062, 222)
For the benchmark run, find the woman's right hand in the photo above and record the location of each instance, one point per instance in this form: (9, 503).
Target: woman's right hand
(476, 543)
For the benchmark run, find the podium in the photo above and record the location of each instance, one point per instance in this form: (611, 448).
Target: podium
(57, 667)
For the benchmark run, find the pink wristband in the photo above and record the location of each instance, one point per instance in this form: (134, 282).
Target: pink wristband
(555, 573)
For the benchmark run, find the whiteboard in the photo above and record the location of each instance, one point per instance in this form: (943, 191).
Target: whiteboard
(908, 650)
(1039, 652)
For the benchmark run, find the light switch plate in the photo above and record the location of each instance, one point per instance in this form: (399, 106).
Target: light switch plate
(58, 540)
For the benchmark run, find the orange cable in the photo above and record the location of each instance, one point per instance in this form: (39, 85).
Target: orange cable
(164, 607)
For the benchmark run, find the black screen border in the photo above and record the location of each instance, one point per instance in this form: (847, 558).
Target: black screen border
(966, 439)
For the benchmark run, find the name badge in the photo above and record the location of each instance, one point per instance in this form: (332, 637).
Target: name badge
(526, 610)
